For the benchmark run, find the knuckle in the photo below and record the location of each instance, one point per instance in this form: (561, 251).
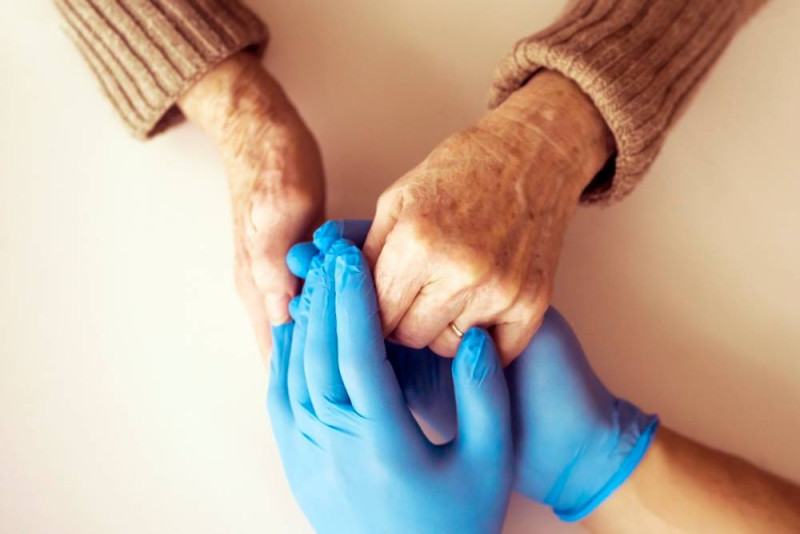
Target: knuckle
(472, 265)
(444, 348)
(419, 237)
(504, 293)
(386, 201)
(457, 265)
(542, 299)
(326, 413)
(530, 307)
(409, 337)
(511, 349)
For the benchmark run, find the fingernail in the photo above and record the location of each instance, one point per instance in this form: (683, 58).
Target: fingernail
(277, 308)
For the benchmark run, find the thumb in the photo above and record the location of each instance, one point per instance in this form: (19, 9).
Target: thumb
(353, 230)
(386, 213)
(277, 284)
(482, 403)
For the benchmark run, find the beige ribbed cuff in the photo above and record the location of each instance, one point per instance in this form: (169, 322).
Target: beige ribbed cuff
(639, 61)
(146, 53)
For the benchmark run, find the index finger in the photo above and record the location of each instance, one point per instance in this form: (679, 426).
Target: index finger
(400, 274)
(366, 371)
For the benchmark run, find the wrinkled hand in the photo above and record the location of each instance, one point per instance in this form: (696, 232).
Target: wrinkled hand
(355, 458)
(275, 176)
(472, 235)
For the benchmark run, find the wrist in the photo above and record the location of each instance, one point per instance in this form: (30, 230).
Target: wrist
(630, 508)
(552, 110)
(235, 101)
(632, 436)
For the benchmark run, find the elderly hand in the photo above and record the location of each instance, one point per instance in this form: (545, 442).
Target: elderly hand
(275, 176)
(472, 235)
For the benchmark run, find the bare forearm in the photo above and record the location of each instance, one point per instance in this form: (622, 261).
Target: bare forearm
(263, 141)
(238, 89)
(239, 101)
(275, 175)
(682, 486)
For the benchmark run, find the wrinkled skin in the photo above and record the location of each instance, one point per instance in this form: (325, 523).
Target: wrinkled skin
(472, 235)
(275, 176)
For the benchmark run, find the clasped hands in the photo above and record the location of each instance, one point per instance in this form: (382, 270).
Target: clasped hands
(470, 236)
(341, 401)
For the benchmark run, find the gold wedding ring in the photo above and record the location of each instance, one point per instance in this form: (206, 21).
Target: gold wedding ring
(456, 330)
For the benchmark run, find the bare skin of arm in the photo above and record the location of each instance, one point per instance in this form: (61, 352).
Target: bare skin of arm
(682, 486)
(275, 178)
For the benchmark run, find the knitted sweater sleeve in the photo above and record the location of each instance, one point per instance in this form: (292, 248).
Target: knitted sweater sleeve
(146, 53)
(639, 61)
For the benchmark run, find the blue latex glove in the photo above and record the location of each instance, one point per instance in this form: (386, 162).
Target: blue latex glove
(575, 442)
(424, 377)
(354, 456)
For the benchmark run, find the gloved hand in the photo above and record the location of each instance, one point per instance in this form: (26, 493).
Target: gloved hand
(424, 377)
(354, 456)
(575, 442)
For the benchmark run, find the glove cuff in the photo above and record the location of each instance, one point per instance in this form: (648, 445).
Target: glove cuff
(627, 467)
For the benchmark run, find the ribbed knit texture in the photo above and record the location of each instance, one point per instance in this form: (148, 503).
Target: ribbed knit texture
(146, 53)
(640, 61)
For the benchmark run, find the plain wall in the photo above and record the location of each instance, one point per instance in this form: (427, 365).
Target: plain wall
(132, 394)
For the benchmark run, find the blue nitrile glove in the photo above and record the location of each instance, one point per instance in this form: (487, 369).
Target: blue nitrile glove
(354, 456)
(424, 377)
(575, 442)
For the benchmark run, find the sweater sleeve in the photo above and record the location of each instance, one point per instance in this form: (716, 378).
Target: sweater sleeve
(146, 53)
(639, 61)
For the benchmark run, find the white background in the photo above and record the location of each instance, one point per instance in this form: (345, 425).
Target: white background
(131, 392)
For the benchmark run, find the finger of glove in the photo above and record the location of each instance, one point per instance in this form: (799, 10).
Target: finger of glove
(427, 383)
(300, 255)
(353, 230)
(367, 374)
(298, 260)
(321, 362)
(300, 400)
(278, 405)
(482, 401)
